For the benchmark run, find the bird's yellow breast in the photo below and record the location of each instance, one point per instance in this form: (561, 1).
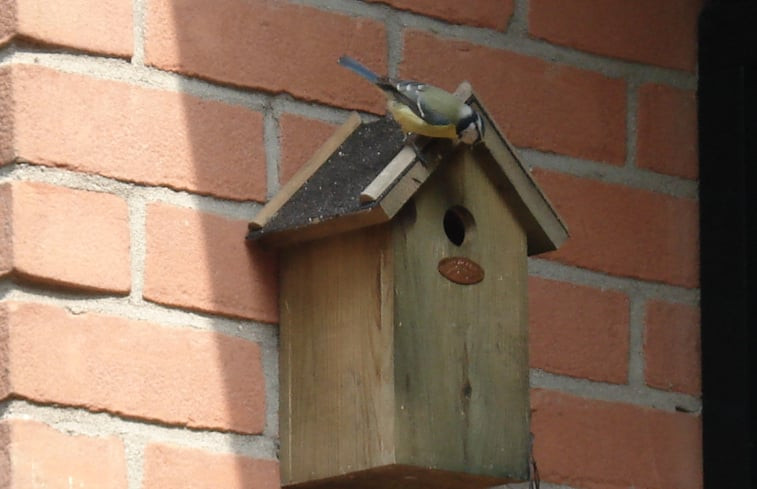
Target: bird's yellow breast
(410, 122)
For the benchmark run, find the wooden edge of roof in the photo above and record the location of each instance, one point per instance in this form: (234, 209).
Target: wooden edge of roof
(555, 232)
(404, 175)
(320, 229)
(308, 169)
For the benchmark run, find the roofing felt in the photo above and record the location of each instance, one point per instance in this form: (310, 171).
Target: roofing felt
(365, 173)
(334, 189)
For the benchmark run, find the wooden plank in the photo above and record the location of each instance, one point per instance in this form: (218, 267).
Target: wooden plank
(313, 164)
(388, 175)
(464, 91)
(461, 351)
(409, 183)
(402, 181)
(337, 397)
(405, 188)
(546, 229)
(404, 477)
(372, 216)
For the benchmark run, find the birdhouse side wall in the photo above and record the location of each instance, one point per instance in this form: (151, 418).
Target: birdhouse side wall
(337, 388)
(461, 351)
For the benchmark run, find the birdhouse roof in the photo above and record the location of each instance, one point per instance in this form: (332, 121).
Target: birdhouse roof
(365, 173)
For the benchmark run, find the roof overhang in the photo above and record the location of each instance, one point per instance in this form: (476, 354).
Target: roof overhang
(365, 173)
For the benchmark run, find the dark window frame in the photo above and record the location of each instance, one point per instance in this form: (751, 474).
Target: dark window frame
(728, 176)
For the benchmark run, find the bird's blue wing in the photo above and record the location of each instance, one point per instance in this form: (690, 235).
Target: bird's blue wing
(432, 104)
(359, 68)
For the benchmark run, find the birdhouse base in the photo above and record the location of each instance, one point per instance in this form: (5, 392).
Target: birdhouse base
(405, 477)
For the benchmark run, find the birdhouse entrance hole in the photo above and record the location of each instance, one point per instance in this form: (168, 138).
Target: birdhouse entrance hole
(458, 223)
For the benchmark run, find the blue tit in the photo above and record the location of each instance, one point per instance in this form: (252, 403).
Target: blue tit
(424, 109)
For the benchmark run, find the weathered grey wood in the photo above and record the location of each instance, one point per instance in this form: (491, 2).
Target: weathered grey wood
(389, 367)
(404, 477)
(393, 376)
(368, 217)
(388, 175)
(337, 387)
(404, 188)
(545, 228)
(464, 91)
(406, 184)
(461, 351)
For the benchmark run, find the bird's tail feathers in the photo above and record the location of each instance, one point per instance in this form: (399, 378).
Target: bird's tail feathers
(359, 68)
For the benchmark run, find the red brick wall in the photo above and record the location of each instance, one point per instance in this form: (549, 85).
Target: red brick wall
(138, 333)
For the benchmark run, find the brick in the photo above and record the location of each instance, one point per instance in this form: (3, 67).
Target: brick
(672, 347)
(7, 20)
(7, 152)
(605, 445)
(5, 382)
(667, 131)
(137, 134)
(648, 31)
(625, 231)
(578, 331)
(211, 267)
(272, 46)
(6, 230)
(5, 457)
(537, 104)
(299, 138)
(494, 14)
(65, 237)
(173, 467)
(137, 369)
(40, 456)
(101, 27)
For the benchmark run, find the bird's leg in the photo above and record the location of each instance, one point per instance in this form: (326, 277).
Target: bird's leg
(412, 140)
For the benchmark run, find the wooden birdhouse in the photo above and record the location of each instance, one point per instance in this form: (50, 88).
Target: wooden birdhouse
(403, 309)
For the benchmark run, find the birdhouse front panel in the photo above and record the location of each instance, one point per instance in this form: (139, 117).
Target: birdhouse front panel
(337, 372)
(461, 366)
